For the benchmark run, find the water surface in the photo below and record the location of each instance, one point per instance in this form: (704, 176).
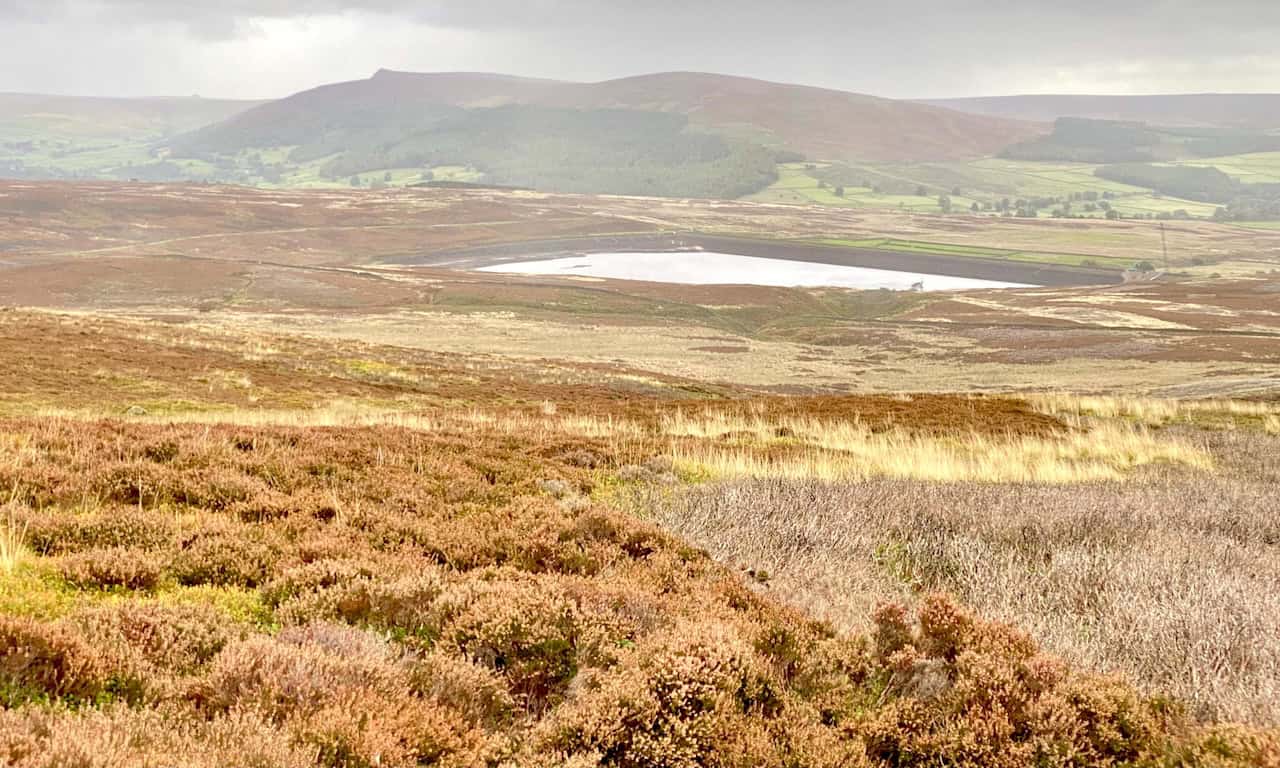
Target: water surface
(707, 268)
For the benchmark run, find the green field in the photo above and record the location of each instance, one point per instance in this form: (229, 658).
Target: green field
(796, 186)
(986, 182)
(1258, 168)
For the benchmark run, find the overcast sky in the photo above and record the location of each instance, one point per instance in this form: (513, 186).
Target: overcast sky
(902, 48)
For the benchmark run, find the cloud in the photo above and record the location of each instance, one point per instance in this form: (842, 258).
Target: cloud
(907, 48)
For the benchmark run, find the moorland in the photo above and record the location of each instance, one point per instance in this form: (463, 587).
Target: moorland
(284, 483)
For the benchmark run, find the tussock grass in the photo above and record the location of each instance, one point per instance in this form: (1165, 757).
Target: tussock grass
(332, 414)
(13, 542)
(758, 444)
(1157, 412)
(843, 451)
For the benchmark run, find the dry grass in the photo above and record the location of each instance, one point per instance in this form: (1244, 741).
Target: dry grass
(722, 444)
(842, 451)
(13, 542)
(1171, 579)
(1157, 413)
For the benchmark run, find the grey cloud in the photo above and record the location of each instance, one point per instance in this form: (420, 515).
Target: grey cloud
(903, 48)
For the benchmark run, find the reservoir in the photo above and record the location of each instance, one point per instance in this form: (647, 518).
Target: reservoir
(710, 268)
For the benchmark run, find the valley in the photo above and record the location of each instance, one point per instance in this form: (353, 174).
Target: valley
(661, 422)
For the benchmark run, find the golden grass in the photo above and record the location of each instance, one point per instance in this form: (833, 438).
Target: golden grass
(721, 445)
(13, 543)
(1156, 412)
(1272, 425)
(333, 414)
(841, 451)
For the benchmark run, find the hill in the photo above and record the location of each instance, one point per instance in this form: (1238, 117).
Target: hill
(812, 121)
(675, 134)
(816, 122)
(84, 117)
(1233, 110)
(71, 137)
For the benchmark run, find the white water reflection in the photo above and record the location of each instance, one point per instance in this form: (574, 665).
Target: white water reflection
(707, 268)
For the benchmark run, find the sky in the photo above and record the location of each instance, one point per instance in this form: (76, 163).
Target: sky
(898, 49)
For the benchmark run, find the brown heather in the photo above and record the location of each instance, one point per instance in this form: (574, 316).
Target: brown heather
(267, 596)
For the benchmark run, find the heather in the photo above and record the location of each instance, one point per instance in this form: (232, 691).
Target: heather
(386, 596)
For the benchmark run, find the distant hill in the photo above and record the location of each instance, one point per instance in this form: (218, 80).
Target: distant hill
(815, 122)
(76, 117)
(1088, 140)
(72, 137)
(1243, 111)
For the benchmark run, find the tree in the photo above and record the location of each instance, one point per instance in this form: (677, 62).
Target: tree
(1144, 266)
(839, 191)
(355, 181)
(975, 207)
(1112, 214)
(922, 191)
(387, 177)
(944, 202)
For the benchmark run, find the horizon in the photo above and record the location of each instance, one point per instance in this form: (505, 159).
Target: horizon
(656, 73)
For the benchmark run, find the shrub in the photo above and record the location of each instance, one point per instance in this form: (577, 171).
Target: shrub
(679, 702)
(344, 693)
(274, 505)
(115, 567)
(968, 693)
(300, 671)
(477, 693)
(176, 639)
(60, 532)
(118, 736)
(44, 662)
(362, 730)
(312, 577)
(403, 606)
(228, 555)
(144, 484)
(527, 631)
